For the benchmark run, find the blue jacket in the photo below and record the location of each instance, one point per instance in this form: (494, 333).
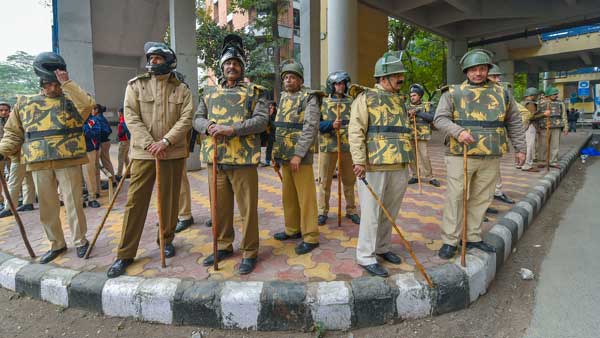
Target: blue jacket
(92, 133)
(105, 129)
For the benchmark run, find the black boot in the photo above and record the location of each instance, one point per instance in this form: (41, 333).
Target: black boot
(447, 251)
(376, 270)
(221, 255)
(118, 267)
(51, 255)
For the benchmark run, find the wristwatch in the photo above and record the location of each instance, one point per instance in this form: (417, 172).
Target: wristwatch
(165, 142)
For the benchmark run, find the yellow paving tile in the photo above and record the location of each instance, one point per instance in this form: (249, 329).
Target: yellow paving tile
(137, 267)
(302, 260)
(321, 271)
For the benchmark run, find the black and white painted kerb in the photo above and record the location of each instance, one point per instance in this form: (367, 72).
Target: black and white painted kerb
(279, 305)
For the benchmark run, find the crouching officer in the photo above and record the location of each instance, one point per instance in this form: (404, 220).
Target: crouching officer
(235, 113)
(158, 112)
(335, 115)
(478, 113)
(49, 128)
(297, 123)
(380, 143)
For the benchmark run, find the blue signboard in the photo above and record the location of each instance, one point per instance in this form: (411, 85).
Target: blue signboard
(583, 89)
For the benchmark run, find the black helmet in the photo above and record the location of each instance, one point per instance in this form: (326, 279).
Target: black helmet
(337, 77)
(45, 64)
(233, 48)
(417, 88)
(159, 48)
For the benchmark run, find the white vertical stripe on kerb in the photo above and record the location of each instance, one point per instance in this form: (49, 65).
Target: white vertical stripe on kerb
(240, 304)
(8, 272)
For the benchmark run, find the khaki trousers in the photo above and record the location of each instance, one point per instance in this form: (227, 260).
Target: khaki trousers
(123, 157)
(143, 176)
(530, 134)
(241, 184)
(185, 198)
(105, 157)
(327, 163)
(300, 202)
(4, 165)
(424, 162)
(481, 177)
(20, 178)
(69, 180)
(554, 145)
(91, 174)
(375, 232)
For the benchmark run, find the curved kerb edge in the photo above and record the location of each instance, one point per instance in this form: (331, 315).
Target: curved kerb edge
(279, 305)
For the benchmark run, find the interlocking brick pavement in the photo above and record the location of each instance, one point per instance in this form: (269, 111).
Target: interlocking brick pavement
(419, 218)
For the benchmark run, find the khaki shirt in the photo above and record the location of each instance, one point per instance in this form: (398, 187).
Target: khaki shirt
(14, 135)
(513, 122)
(158, 107)
(357, 135)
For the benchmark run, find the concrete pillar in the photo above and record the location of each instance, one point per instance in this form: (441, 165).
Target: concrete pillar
(533, 80)
(75, 41)
(182, 20)
(508, 67)
(342, 36)
(456, 49)
(310, 36)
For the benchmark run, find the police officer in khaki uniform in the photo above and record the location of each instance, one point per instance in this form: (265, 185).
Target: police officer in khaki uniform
(335, 115)
(380, 142)
(4, 113)
(530, 103)
(423, 112)
(478, 113)
(235, 113)
(158, 112)
(297, 123)
(552, 110)
(48, 129)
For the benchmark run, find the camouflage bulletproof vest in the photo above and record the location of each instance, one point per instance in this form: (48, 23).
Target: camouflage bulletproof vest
(227, 106)
(556, 109)
(289, 122)
(423, 127)
(481, 110)
(53, 129)
(389, 132)
(329, 112)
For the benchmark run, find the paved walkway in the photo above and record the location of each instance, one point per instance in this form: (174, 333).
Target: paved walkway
(419, 218)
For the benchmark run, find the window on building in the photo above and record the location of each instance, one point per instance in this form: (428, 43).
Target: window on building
(296, 22)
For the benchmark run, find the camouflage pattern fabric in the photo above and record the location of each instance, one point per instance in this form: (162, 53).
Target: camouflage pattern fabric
(389, 133)
(289, 122)
(556, 111)
(53, 129)
(481, 110)
(227, 106)
(329, 112)
(423, 127)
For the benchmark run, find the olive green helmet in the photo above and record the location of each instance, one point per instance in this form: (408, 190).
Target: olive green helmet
(551, 91)
(390, 63)
(292, 66)
(476, 57)
(495, 70)
(532, 91)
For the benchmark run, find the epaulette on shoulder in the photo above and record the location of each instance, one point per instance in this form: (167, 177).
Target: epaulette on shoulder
(444, 88)
(355, 89)
(139, 77)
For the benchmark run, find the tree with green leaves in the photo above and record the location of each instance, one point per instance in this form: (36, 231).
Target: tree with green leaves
(17, 76)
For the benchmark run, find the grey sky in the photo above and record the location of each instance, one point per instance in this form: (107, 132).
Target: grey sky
(26, 25)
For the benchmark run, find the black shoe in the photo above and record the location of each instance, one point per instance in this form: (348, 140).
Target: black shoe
(491, 211)
(118, 267)
(435, 182)
(247, 265)
(391, 257)
(184, 224)
(354, 218)
(81, 250)
(169, 250)
(104, 185)
(282, 236)
(376, 270)
(412, 180)
(51, 255)
(208, 223)
(25, 207)
(221, 255)
(322, 219)
(481, 246)
(447, 251)
(93, 204)
(504, 198)
(304, 248)
(5, 213)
